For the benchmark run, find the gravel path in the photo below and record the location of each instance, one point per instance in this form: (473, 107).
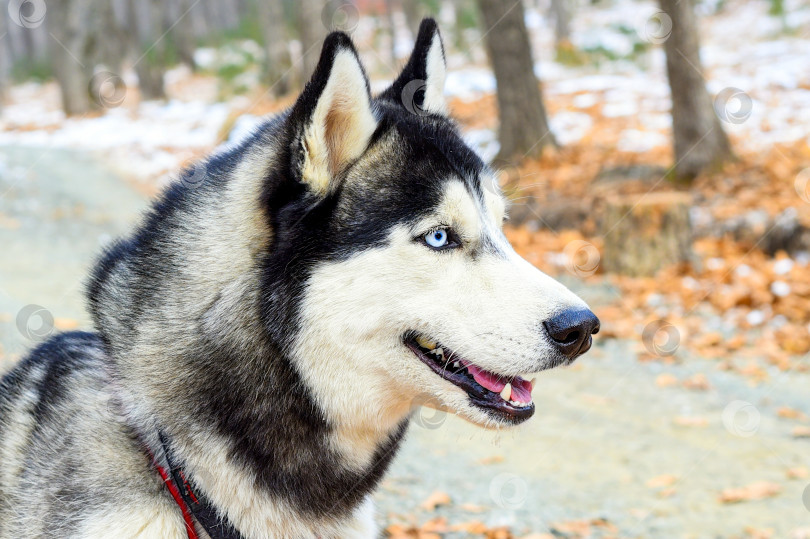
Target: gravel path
(57, 209)
(608, 445)
(603, 433)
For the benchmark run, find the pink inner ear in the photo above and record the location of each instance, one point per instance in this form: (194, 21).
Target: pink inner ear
(337, 128)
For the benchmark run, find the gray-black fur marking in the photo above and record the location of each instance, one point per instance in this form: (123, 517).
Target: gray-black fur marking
(283, 437)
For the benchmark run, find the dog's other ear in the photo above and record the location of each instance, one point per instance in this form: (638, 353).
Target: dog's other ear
(332, 120)
(420, 86)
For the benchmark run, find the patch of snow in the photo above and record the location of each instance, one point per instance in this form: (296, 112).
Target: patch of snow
(205, 57)
(755, 317)
(469, 83)
(743, 270)
(783, 266)
(244, 126)
(484, 142)
(584, 101)
(616, 110)
(780, 289)
(636, 141)
(570, 127)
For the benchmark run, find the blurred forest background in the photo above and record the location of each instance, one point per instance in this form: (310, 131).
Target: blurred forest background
(657, 156)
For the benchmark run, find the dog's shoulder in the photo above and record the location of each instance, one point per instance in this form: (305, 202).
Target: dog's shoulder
(68, 461)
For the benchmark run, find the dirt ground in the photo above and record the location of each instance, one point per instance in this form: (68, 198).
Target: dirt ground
(617, 448)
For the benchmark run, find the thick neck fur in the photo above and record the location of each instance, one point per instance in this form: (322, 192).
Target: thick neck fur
(183, 309)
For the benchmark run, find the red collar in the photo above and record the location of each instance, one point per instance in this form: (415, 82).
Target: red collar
(187, 518)
(194, 506)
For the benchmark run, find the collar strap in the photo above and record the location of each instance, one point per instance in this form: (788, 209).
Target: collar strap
(194, 505)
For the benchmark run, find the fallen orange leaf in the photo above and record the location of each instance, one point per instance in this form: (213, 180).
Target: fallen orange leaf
(435, 500)
(754, 491)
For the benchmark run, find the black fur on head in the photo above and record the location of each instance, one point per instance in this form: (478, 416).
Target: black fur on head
(378, 190)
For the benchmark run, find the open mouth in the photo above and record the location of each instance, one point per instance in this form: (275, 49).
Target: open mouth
(508, 399)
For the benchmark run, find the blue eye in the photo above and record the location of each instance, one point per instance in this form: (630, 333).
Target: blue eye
(437, 238)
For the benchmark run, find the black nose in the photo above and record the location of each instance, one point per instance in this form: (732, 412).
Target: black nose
(571, 331)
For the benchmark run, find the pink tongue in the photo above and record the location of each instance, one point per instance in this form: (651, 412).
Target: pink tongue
(485, 378)
(521, 389)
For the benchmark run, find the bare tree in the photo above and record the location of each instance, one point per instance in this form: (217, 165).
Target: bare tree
(5, 59)
(414, 12)
(148, 46)
(392, 28)
(561, 12)
(277, 63)
(183, 32)
(110, 37)
(699, 140)
(71, 50)
(524, 128)
(312, 31)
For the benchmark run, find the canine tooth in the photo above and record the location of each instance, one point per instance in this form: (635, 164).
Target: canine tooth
(457, 364)
(439, 352)
(506, 392)
(425, 342)
(531, 383)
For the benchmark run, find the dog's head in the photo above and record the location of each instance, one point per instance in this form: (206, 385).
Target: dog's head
(390, 240)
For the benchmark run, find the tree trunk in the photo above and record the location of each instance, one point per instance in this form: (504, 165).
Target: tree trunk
(392, 29)
(561, 12)
(645, 233)
(67, 23)
(110, 40)
(312, 31)
(699, 140)
(413, 15)
(524, 129)
(150, 49)
(5, 60)
(183, 32)
(277, 64)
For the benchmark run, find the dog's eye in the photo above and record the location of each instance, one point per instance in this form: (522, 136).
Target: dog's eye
(440, 238)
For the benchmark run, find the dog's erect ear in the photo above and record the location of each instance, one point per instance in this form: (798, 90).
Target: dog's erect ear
(420, 86)
(332, 119)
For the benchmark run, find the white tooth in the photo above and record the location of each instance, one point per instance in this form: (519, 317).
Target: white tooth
(425, 342)
(533, 380)
(439, 352)
(457, 364)
(506, 392)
